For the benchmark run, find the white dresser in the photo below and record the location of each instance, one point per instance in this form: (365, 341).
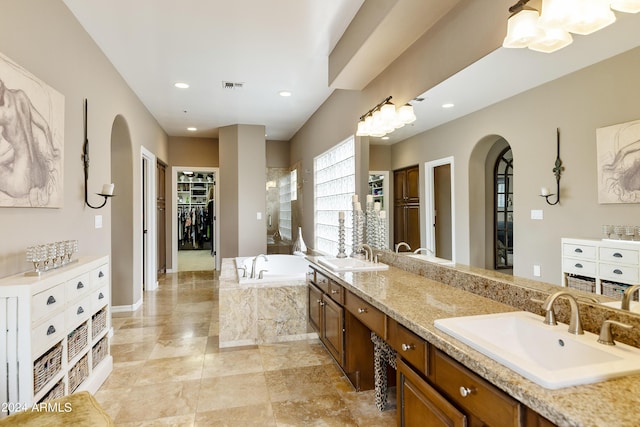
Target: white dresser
(54, 333)
(611, 264)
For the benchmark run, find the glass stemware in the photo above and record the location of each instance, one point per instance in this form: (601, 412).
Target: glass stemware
(607, 230)
(630, 231)
(618, 230)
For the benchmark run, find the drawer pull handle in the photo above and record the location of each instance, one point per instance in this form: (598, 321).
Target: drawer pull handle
(101, 274)
(101, 295)
(51, 300)
(617, 271)
(362, 310)
(617, 255)
(466, 391)
(51, 330)
(407, 347)
(578, 250)
(80, 285)
(333, 292)
(578, 265)
(80, 310)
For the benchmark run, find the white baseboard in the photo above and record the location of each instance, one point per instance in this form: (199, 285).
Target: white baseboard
(126, 308)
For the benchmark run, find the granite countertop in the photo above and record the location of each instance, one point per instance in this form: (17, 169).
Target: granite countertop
(417, 301)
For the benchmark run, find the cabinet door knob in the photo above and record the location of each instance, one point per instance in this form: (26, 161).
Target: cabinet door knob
(51, 300)
(333, 292)
(466, 391)
(319, 301)
(80, 285)
(322, 303)
(407, 347)
(51, 330)
(362, 310)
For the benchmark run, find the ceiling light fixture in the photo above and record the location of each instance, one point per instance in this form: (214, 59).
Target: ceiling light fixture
(285, 93)
(448, 105)
(550, 30)
(181, 85)
(384, 118)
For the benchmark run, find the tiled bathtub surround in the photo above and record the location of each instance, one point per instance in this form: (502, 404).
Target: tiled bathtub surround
(518, 292)
(417, 300)
(259, 313)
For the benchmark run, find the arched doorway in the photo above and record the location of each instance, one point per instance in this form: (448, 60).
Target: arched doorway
(503, 211)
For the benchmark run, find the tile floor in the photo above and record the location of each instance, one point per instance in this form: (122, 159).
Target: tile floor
(168, 370)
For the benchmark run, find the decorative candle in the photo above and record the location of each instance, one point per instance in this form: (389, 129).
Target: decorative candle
(376, 206)
(383, 214)
(357, 206)
(341, 215)
(354, 198)
(107, 189)
(544, 191)
(369, 198)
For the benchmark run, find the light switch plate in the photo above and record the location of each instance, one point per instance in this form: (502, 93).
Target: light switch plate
(536, 214)
(536, 270)
(98, 221)
(259, 216)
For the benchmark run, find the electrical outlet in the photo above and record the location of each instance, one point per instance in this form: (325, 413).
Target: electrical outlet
(536, 270)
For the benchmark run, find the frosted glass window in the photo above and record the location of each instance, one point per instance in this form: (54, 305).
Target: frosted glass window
(294, 184)
(335, 183)
(284, 221)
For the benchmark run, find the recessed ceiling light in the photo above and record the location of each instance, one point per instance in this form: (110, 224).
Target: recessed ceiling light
(181, 85)
(385, 138)
(447, 105)
(192, 129)
(285, 93)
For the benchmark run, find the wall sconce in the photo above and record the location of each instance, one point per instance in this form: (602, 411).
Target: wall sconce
(549, 30)
(107, 189)
(384, 118)
(557, 171)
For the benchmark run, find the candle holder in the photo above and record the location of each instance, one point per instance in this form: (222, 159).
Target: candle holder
(341, 236)
(50, 256)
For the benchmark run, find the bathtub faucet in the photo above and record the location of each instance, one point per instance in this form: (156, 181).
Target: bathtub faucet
(253, 264)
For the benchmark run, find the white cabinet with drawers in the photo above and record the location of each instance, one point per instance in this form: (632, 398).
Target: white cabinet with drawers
(607, 262)
(54, 333)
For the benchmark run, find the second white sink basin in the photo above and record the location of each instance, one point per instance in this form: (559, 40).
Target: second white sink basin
(433, 259)
(634, 307)
(351, 264)
(547, 355)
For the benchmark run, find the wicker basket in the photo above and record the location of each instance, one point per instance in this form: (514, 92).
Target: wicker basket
(98, 322)
(615, 290)
(99, 351)
(46, 367)
(581, 283)
(77, 340)
(78, 373)
(56, 392)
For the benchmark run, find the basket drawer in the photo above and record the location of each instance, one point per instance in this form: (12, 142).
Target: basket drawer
(47, 334)
(619, 273)
(47, 302)
(579, 266)
(622, 256)
(46, 367)
(579, 251)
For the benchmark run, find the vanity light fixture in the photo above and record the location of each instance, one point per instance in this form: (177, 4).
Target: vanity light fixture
(107, 189)
(549, 30)
(557, 171)
(384, 118)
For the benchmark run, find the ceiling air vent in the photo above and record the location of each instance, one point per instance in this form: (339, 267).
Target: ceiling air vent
(232, 85)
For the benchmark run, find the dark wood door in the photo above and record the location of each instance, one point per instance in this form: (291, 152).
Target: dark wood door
(333, 328)
(420, 405)
(315, 308)
(406, 209)
(412, 226)
(161, 217)
(412, 185)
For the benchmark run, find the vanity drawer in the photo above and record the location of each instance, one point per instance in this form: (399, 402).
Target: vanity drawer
(78, 286)
(336, 292)
(409, 346)
(579, 266)
(622, 256)
(620, 273)
(322, 282)
(370, 316)
(99, 298)
(47, 334)
(474, 394)
(47, 302)
(579, 251)
(100, 276)
(311, 275)
(78, 312)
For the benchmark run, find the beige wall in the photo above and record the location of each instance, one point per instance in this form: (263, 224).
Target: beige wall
(379, 157)
(45, 38)
(200, 152)
(278, 155)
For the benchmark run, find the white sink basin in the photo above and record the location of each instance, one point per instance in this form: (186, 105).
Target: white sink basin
(634, 307)
(351, 264)
(433, 259)
(547, 355)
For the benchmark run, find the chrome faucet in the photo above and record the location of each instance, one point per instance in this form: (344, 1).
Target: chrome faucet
(401, 244)
(575, 326)
(626, 296)
(427, 250)
(253, 264)
(368, 252)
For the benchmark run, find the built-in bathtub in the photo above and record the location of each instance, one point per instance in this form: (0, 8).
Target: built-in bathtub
(268, 310)
(276, 268)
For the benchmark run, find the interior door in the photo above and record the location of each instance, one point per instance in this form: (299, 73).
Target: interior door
(442, 199)
(161, 217)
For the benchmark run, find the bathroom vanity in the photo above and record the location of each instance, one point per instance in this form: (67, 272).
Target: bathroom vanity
(441, 379)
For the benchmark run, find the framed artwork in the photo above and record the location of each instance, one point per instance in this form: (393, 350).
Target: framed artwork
(618, 150)
(31, 139)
